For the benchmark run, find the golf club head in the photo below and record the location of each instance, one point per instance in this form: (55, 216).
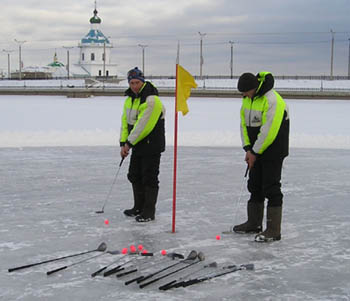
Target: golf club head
(212, 265)
(193, 255)
(102, 247)
(99, 211)
(116, 252)
(175, 255)
(249, 266)
(233, 266)
(201, 256)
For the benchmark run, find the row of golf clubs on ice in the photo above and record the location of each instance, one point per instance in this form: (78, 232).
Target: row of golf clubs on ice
(147, 267)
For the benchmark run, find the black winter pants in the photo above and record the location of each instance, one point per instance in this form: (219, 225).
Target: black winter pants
(144, 170)
(265, 182)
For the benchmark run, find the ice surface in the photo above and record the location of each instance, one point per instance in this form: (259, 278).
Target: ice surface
(55, 172)
(49, 196)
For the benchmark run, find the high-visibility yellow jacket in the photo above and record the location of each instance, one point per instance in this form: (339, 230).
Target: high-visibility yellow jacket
(142, 126)
(265, 121)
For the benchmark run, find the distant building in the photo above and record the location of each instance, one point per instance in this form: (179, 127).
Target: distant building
(55, 69)
(95, 51)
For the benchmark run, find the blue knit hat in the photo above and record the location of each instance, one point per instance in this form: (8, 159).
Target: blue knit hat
(135, 73)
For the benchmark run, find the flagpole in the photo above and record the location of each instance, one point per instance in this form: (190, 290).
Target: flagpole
(175, 154)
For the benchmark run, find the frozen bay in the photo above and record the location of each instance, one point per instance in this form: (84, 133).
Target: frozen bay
(49, 195)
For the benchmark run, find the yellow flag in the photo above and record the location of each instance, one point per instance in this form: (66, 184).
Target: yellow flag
(184, 83)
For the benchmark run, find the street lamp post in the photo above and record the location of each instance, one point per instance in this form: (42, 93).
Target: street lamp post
(332, 53)
(143, 57)
(20, 43)
(201, 60)
(231, 61)
(67, 67)
(8, 62)
(349, 62)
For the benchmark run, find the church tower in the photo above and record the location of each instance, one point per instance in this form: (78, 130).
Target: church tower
(95, 50)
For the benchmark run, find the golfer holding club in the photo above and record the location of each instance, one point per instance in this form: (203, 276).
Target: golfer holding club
(265, 139)
(143, 131)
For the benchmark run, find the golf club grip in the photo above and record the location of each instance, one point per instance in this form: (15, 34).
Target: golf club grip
(54, 271)
(246, 171)
(178, 284)
(193, 281)
(126, 273)
(133, 280)
(22, 267)
(113, 271)
(98, 272)
(148, 283)
(167, 285)
(145, 278)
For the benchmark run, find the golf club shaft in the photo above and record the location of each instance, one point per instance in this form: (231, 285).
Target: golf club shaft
(75, 263)
(110, 190)
(50, 260)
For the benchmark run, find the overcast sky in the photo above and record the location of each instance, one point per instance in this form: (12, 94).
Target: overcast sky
(285, 37)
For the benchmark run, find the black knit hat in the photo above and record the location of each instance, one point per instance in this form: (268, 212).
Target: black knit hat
(135, 73)
(247, 81)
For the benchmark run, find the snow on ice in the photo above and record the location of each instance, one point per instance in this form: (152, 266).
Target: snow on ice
(58, 160)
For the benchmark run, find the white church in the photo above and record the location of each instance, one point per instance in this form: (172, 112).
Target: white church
(95, 51)
(94, 58)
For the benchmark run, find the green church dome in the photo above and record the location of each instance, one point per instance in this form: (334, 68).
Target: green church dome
(95, 19)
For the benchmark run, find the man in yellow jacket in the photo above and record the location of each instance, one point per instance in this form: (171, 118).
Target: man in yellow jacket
(265, 139)
(143, 131)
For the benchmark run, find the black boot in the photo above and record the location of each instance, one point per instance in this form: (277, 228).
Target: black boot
(273, 226)
(149, 207)
(255, 213)
(139, 200)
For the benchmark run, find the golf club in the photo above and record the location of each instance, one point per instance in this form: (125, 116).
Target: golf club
(238, 201)
(101, 248)
(81, 261)
(110, 190)
(200, 257)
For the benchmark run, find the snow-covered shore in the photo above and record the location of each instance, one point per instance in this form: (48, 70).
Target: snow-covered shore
(61, 121)
(285, 84)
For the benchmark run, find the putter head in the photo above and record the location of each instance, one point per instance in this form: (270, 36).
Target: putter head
(99, 211)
